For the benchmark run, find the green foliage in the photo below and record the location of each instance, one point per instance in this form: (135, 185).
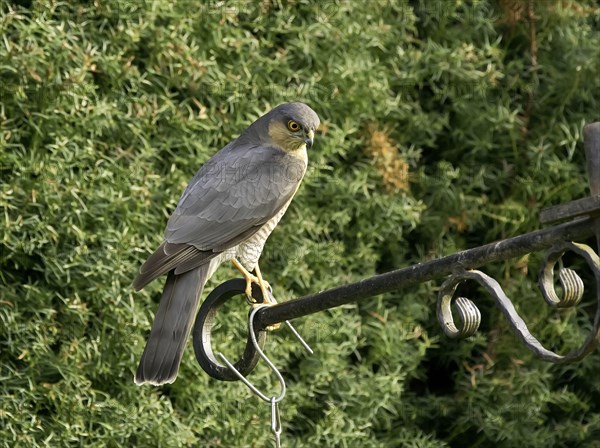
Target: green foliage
(108, 108)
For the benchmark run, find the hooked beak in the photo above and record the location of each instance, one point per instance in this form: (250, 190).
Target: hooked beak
(308, 139)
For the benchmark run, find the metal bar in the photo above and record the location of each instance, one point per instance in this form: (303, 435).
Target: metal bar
(591, 143)
(591, 140)
(394, 280)
(563, 212)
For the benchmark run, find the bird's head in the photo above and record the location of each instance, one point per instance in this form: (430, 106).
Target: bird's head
(292, 126)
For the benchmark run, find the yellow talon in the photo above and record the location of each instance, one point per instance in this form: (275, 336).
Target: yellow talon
(268, 297)
(264, 286)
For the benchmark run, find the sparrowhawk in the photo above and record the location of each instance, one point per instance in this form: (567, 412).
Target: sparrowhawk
(227, 212)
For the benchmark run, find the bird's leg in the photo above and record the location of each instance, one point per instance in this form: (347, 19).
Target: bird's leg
(264, 287)
(262, 283)
(250, 278)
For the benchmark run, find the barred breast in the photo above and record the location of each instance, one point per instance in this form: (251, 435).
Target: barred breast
(248, 252)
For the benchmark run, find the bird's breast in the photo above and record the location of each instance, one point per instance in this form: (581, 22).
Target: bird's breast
(249, 251)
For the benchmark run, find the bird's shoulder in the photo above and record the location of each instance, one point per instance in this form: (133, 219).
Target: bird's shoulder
(241, 172)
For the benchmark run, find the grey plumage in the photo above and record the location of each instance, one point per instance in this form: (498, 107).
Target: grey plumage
(227, 211)
(171, 328)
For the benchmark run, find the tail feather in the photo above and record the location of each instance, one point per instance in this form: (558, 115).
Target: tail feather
(171, 327)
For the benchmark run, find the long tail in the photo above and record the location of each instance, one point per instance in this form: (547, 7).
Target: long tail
(171, 328)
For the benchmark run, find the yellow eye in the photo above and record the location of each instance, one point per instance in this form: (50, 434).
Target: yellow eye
(293, 126)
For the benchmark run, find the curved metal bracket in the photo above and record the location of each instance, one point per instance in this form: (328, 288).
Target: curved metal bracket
(468, 313)
(203, 326)
(572, 290)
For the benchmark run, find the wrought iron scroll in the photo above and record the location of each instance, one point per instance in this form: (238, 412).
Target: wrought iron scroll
(577, 221)
(572, 291)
